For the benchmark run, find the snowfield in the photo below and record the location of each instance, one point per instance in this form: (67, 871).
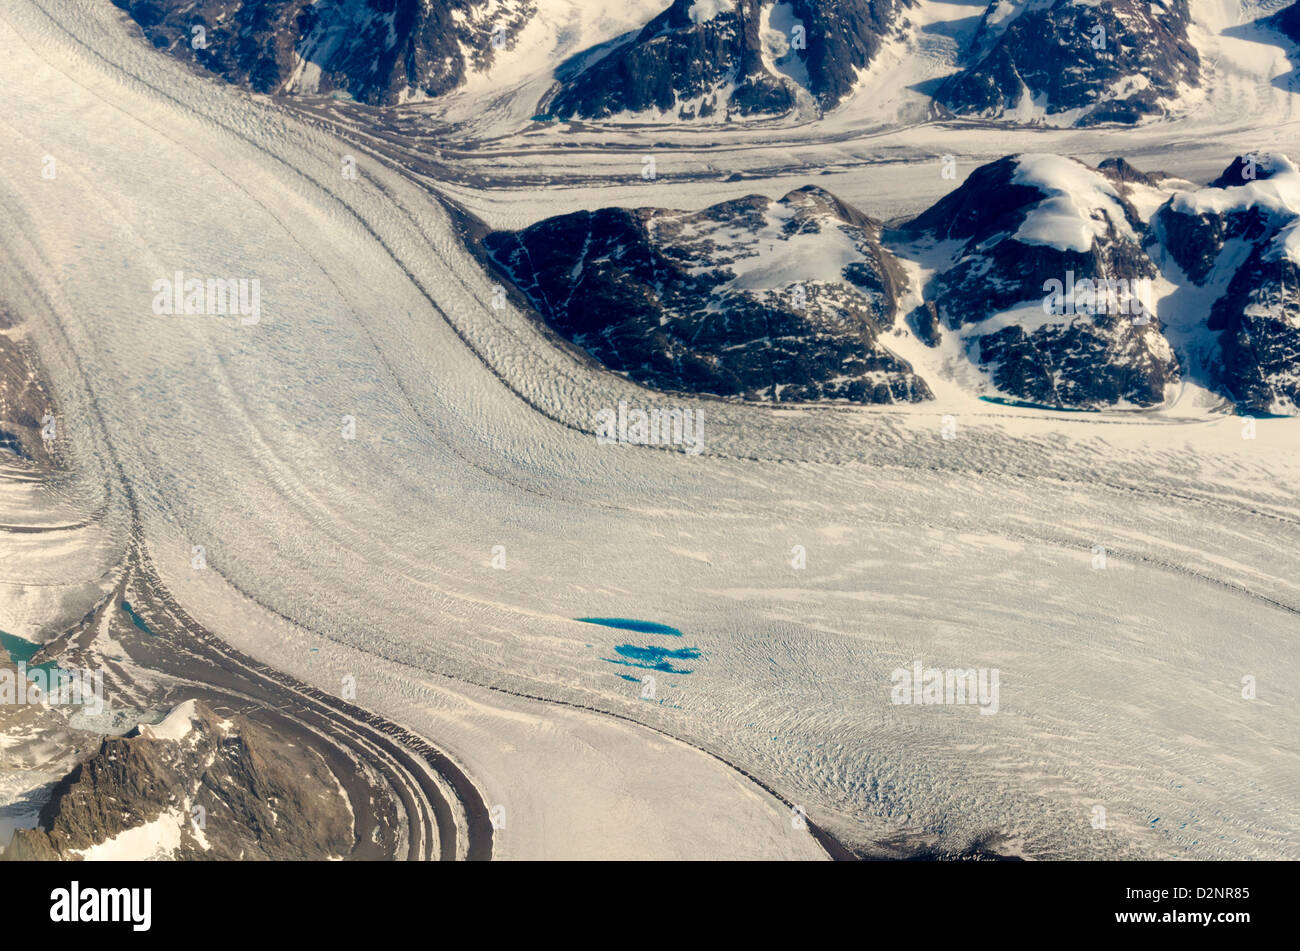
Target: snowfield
(1130, 576)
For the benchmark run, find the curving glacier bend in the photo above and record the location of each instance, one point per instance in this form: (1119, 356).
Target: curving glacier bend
(442, 551)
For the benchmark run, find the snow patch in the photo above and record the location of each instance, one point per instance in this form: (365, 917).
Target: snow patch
(1080, 205)
(705, 10)
(175, 726)
(1278, 195)
(777, 27)
(154, 840)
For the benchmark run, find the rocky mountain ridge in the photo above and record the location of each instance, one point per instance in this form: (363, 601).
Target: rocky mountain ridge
(1075, 62)
(714, 58)
(1046, 279)
(375, 51)
(1054, 62)
(193, 786)
(752, 298)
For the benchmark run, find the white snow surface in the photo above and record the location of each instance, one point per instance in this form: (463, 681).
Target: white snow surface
(1278, 196)
(1079, 207)
(150, 841)
(769, 258)
(702, 11)
(777, 24)
(557, 30)
(177, 725)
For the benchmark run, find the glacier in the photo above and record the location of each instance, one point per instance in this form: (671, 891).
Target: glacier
(806, 552)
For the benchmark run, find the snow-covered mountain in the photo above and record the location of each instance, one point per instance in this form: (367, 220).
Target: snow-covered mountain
(1037, 288)
(192, 786)
(783, 300)
(1240, 238)
(1159, 280)
(1288, 21)
(376, 51)
(714, 58)
(1052, 62)
(1074, 61)
(1046, 283)
(704, 59)
(1039, 279)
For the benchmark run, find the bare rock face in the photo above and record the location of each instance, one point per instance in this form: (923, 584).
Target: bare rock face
(192, 787)
(1288, 21)
(1241, 237)
(1123, 174)
(715, 58)
(753, 298)
(249, 43)
(1036, 241)
(27, 412)
(377, 51)
(1085, 63)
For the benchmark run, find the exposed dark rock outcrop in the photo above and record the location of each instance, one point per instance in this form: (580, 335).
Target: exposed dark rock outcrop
(1119, 170)
(1288, 21)
(1040, 232)
(753, 298)
(715, 58)
(1241, 236)
(1114, 62)
(255, 798)
(377, 51)
(27, 413)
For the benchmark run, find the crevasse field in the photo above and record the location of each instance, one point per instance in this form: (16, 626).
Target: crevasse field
(962, 543)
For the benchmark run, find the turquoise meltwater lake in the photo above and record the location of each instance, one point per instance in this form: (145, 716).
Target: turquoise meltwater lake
(631, 624)
(646, 657)
(21, 651)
